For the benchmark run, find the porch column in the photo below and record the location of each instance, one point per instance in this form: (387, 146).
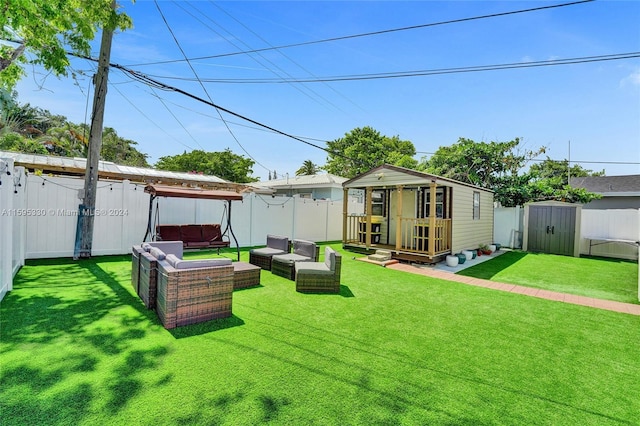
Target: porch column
(369, 206)
(399, 218)
(345, 213)
(432, 217)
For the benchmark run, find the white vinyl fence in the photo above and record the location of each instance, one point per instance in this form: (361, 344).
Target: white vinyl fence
(507, 226)
(40, 219)
(12, 190)
(612, 224)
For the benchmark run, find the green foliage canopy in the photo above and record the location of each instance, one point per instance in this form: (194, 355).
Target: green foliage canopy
(498, 166)
(46, 29)
(225, 164)
(365, 148)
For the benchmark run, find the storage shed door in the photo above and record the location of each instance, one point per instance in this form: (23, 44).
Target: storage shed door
(552, 229)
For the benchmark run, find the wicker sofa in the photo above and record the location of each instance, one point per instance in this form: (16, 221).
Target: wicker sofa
(276, 244)
(319, 277)
(193, 291)
(303, 251)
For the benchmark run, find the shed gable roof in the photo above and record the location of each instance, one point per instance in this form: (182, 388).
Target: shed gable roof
(388, 174)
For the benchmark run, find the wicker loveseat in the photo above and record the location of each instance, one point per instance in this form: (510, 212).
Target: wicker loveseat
(275, 245)
(303, 251)
(193, 291)
(320, 277)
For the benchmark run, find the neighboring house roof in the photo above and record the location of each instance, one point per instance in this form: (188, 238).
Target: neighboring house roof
(609, 186)
(388, 174)
(107, 169)
(326, 180)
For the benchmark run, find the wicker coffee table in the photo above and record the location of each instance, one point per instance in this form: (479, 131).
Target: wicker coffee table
(245, 275)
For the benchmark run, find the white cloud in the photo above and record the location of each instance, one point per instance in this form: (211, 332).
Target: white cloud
(632, 79)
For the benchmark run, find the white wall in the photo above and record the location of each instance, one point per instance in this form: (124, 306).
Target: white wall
(123, 209)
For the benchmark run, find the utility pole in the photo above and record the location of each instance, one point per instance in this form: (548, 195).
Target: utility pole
(86, 213)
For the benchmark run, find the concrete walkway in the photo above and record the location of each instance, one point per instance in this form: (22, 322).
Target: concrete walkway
(626, 308)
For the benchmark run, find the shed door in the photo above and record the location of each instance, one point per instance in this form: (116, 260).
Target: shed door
(552, 229)
(563, 225)
(539, 219)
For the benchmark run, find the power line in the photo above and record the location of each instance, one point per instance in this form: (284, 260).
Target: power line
(372, 33)
(560, 161)
(428, 72)
(203, 87)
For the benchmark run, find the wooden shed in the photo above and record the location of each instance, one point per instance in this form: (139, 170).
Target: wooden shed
(416, 216)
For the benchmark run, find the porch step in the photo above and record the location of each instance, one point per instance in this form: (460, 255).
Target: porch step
(380, 256)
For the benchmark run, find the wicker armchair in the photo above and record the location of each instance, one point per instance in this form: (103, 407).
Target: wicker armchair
(320, 277)
(275, 245)
(303, 251)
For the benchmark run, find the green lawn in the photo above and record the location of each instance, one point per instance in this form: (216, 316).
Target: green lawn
(78, 347)
(602, 278)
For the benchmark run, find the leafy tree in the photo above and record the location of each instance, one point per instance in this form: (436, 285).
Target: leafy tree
(225, 164)
(498, 166)
(365, 148)
(308, 168)
(558, 169)
(46, 29)
(120, 150)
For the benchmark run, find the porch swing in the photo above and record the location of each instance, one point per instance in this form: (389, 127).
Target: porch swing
(192, 236)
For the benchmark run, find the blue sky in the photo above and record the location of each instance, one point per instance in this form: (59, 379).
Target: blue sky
(592, 107)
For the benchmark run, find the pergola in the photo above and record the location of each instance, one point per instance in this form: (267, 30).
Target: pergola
(182, 192)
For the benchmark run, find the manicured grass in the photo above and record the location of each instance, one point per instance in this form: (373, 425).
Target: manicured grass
(79, 348)
(599, 277)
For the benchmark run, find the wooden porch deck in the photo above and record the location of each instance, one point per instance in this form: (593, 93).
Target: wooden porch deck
(406, 256)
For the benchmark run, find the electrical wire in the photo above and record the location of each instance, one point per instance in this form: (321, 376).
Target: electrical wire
(428, 72)
(372, 33)
(203, 87)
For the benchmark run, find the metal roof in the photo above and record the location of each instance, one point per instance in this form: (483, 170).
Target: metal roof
(107, 169)
(306, 181)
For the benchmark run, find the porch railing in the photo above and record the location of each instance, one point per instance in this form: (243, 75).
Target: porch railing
(415, 235)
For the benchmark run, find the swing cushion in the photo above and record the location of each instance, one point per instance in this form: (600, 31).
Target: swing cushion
(168, 232)
(192, 236)
(211, 233)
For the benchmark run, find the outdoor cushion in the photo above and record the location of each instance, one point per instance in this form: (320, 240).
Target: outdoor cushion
(172, 259)
(330, 258)
(312, 268)
(168, 232)
(290, 258)
(168, 247)
(146, 247)
(267, 251)
(211, 232)
(305, 248)
(157, 253)
(201, 263)
(278, 242)
(191, 233)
